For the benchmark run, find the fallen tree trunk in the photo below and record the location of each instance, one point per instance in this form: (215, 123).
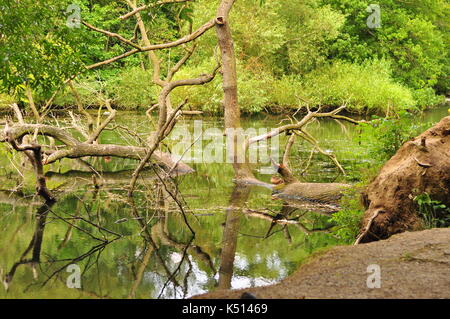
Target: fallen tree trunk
(420, 166)
(77, 149)
(318, 197)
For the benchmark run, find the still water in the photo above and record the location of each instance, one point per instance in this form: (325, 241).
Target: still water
(116, 251)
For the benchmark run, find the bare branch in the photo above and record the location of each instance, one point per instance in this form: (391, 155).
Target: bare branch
(29, 95)
(80, 105)
(76, 149)
(18, 113)
(35, 157)
(309, 138)
(305, 120)
(112, 35)
(151, 55)
(180, 63)
(101, 127)
(188, 38)
(287, 150)
(136, 10)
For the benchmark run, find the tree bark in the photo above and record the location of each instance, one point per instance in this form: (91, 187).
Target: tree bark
(231, 105)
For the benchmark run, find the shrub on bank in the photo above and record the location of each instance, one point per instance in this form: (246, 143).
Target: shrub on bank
(129, 89)
(5, 101)
(366, 88)
(88, 90)
(133, 89)
(426, 97)
(253, 90)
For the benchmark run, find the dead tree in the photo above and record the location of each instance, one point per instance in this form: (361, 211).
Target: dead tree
(231, 105)
(167, 116)
(241, 166)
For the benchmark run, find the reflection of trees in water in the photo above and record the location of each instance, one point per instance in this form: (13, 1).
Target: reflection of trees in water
(35, 245)
(88, 220)
(231, 230)
(238, 198)
(157, 201)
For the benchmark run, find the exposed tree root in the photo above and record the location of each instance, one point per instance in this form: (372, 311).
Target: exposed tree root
(421, 165)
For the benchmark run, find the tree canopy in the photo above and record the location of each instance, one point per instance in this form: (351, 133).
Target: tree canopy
(287, 46)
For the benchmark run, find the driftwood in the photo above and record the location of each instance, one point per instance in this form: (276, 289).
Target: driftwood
(317, 197)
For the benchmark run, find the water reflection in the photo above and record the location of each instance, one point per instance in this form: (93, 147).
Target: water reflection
(141, 251)
(34, 246)
(239, 196)
(147, 250)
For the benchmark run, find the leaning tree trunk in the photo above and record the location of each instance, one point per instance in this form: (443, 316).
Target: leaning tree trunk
(421, 165)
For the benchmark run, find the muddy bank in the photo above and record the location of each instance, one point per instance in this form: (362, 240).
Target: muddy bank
(412, 264)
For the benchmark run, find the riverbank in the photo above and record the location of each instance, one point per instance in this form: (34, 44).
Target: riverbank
(412, 265)
(362, 113)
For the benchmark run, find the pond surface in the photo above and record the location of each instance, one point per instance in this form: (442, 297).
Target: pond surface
(149, 251)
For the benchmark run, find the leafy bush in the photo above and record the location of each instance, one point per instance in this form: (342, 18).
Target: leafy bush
(426, 98)
(412, 37)
(433, 212)
(253, 90)
(133, 89)
(365, 87)
(348, 222)
(384, 136)
(286, 91)
(88, 90)
(348, 219)
(5, 101)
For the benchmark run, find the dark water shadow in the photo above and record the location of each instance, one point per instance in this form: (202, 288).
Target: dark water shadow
(34, 246)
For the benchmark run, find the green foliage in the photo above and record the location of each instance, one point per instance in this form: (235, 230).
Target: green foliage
(316, 52)
(365, 87)
(426, 97)
(348, 222)
(5, 101)
(412, 37)
(384, 136)
(132, 89)
(433, 212)
(348, 219)
(36, 46)
(205, 97)
(283, 52)
(310, 29)
(286, 91)
(88, 89)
